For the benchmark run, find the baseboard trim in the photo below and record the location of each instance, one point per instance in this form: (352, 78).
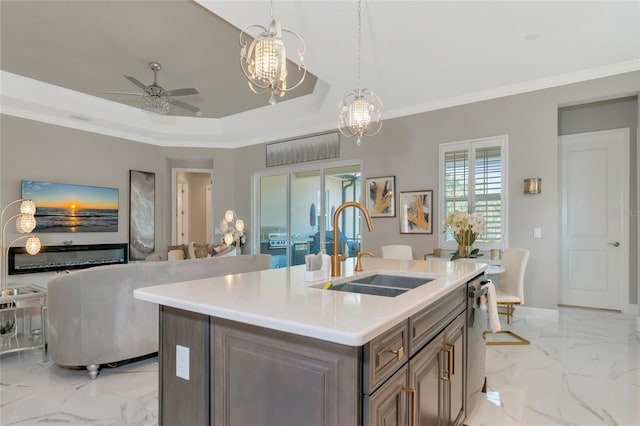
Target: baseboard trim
(540, 313)
(630, 309)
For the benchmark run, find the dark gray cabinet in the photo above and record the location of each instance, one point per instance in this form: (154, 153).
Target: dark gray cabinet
(264, 377)
(184, 401)
(454, 338)
(429, 387)
(425, 379)
(388, 404)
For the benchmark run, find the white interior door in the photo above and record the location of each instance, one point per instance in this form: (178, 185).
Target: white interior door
(595, 220)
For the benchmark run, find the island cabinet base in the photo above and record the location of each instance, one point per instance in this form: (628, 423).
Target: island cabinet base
(265, 377)
(414, 373)
(241, 374)
(184, 402)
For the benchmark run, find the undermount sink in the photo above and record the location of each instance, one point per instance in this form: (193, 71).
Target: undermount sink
(393, 281)
(368, 289)
(381, 285)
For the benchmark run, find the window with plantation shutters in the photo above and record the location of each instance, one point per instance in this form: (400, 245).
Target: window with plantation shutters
(473, 179)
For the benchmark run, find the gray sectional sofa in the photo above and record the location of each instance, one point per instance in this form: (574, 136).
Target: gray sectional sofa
(94, 319)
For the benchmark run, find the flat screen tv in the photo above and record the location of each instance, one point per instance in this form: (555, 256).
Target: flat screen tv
(63, 207)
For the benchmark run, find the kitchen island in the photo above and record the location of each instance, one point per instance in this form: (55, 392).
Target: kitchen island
(269, 348)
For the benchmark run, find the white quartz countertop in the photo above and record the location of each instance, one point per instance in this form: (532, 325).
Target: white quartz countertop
(280, 299)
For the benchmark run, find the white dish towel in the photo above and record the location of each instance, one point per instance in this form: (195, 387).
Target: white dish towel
(489, 304)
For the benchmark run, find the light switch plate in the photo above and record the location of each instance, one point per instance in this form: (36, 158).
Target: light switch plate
(182, 362)
(537, 232)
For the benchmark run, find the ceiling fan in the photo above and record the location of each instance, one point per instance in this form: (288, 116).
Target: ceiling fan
(158, 100)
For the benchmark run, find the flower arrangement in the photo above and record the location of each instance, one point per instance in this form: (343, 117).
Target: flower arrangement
(465, 228)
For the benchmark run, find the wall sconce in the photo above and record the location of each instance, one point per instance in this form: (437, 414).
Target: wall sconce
(533, 186)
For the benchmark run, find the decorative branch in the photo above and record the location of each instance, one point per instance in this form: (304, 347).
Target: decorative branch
(384, 198)
(419, 219)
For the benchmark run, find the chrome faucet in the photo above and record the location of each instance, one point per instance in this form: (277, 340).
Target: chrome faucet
(336, 258)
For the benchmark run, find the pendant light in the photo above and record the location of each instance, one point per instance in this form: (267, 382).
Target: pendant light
(360, 110)
(264, 62)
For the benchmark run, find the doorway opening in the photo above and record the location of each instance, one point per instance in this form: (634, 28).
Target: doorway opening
(191, 205)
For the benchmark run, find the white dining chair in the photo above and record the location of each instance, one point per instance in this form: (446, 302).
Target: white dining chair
(397, 251)
(511, 291)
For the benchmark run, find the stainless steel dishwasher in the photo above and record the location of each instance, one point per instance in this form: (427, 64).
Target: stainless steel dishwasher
(477, 320)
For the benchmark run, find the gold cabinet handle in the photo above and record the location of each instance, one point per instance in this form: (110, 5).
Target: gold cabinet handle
(413, 404)
(448, 349)
(399, 353)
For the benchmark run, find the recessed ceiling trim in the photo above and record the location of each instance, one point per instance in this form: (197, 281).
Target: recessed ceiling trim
(35, 100)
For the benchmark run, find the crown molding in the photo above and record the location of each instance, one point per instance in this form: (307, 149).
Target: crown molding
(516, 89)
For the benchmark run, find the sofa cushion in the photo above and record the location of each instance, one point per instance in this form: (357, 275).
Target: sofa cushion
(200, 250)
(183, 247)
(176, 254)
(155, 256)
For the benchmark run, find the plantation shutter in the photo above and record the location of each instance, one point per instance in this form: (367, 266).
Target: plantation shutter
(473, 177)
(488, 191)
(456, 183)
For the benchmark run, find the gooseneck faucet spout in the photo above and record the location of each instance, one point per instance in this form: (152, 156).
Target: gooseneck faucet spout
(336, 258)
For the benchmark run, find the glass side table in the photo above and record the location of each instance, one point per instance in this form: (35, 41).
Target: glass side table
(17, 331)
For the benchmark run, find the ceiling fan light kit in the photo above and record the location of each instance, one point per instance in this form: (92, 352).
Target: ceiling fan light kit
(264, 60)
(155, 103)
(158, 100)
(360, 110)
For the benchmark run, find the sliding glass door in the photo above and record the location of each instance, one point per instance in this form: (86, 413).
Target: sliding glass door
(343, 184)
(274, 222)
(295, 210)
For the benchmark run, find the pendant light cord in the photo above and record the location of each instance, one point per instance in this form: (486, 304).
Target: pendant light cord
(359, 37)
(271, 9)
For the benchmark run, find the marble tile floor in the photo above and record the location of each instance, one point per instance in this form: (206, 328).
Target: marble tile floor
(33, 392)
(581, 370)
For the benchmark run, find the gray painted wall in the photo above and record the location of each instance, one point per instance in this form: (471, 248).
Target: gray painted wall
(40, 151)
(407, 147)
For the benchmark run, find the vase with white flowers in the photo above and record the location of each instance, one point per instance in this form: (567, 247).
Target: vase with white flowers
(465, 228)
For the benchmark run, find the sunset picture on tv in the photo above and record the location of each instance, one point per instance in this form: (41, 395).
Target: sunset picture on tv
(72, 208)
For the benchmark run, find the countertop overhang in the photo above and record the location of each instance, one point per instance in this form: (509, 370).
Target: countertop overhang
(280, 299)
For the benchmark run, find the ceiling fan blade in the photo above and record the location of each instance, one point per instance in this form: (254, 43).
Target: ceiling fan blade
(123, 93)
(137, 83)
(181, 92)
(184, 105)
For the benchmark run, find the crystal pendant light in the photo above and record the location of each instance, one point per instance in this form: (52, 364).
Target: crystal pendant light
(264, 61)
(360, 110)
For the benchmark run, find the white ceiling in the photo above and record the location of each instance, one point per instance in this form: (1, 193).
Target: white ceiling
(58, 56)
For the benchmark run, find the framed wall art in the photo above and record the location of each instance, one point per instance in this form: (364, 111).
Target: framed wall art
(310, 148)
(142, 212)
(380, 196)
(62, 207)
(416, 212)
